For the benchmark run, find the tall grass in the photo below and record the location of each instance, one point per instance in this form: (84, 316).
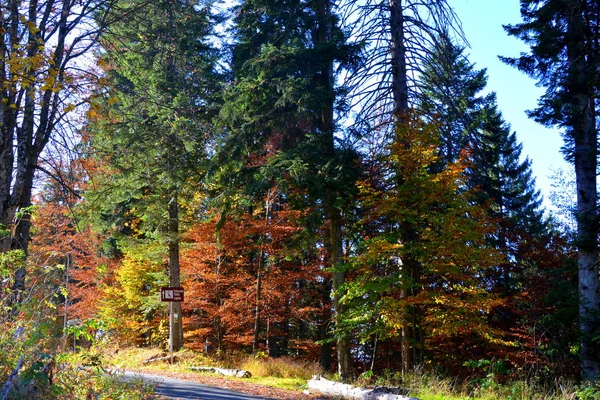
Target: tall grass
(284, 367)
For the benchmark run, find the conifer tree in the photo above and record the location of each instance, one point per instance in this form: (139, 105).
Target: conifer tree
(564, 57)
(470, 121)
(279, 118)
(452, 96)
(153, 129)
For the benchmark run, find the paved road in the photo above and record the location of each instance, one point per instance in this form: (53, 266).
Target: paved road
(172, 388)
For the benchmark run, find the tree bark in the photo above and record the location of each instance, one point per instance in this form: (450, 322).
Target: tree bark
(334, 242)
(586, 156)
(398, 53)
(255, 343)
(175, 323)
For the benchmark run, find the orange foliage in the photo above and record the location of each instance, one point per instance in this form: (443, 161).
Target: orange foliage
(222, 270)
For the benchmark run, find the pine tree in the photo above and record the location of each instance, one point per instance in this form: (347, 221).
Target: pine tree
(160, 68)
(452, 96)
(279, 118)
(564, 58)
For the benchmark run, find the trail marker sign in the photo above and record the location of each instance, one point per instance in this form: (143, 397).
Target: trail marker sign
(171, 294)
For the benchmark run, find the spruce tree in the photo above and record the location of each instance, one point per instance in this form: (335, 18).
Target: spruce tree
(451, 95)
(502, 182)
(470, 121)
(564, 58)
(151, 130)
(279, 120)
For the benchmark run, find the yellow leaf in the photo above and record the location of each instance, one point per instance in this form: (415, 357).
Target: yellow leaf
(113, 100)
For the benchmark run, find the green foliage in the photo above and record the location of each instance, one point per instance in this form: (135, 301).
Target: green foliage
(588, 391)
(94, 381)
(424, 237)
(87, 330)
(10, 261)
(150, 131)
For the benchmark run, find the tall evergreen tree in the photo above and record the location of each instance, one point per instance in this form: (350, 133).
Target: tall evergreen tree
(160, 68)
(452, 96)
(564, 58)
(279, 119)
(470, 121)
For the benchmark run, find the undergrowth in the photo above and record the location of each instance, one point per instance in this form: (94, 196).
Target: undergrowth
(292, 374)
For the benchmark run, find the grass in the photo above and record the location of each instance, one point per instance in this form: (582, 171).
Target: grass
(291, 374)
(283, 373)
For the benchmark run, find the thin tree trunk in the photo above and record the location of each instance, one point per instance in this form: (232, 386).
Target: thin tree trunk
(255, 343)
(324, 327)
(411, 351)
(175, 323)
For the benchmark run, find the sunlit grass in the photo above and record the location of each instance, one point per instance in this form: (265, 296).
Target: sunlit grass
(291, 374)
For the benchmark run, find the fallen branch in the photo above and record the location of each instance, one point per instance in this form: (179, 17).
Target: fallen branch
(332, 388)
(154, 358)
(240, 373)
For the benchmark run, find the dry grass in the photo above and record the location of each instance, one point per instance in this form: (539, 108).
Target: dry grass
(284, 367)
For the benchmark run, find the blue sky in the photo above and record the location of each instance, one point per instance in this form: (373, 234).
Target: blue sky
(482, 22)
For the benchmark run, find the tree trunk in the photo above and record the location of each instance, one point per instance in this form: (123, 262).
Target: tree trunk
(175, 324)
(334, 243)
(411, 351)
(586, 154)
(324, 327)
(255, 343)
(399, 69)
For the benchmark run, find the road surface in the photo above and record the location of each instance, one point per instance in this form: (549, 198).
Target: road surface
(172, 388)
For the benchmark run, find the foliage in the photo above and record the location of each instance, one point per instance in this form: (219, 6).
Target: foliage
(301, 232)
(131, 307)
(251, 264)
(447, 247)
(564, 57)
(283, 367)
(73, 382)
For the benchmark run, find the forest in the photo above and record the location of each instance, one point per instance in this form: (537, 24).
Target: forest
(327, 180)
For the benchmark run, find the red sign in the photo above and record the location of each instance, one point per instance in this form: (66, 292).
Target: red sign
(171, 294)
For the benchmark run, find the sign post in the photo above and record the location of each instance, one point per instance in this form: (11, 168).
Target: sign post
(172, 295)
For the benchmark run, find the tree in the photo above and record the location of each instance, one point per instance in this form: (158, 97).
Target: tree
(441, 296)
(396, 38)
(249, 285)
(502, 183)
(564, 58)
(472, 122)
(61, 240)
(41, 45)
(451, 96)
(280, 122)
(386, 82)
(161, 70)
